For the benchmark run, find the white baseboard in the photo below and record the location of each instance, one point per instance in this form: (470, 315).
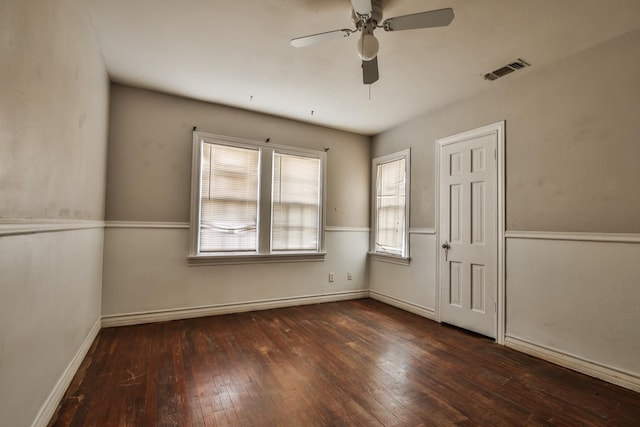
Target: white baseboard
(429, 313)
(606, 373)
(53, 400)
(113, 320)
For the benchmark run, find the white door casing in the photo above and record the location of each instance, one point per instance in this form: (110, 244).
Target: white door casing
(470, 230)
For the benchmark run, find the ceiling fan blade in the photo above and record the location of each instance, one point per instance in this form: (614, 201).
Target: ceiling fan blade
(433, 18)
(316, 38)
(362, 7)
(370, 71)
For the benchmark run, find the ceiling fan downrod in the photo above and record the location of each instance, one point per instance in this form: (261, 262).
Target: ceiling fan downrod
(374, 16)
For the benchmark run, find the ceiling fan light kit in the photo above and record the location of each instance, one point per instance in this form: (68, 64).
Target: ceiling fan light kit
(367, 16)
(368, 46)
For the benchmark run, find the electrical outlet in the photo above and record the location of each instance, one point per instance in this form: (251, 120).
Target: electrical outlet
(331, 277)
(349, 276)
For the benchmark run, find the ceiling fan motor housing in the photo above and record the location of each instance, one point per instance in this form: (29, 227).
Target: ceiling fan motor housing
(376, 14)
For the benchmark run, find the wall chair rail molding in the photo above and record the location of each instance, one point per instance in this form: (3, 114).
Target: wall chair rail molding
(575, 236)
(422, 231)
(340, 229)
(185, 225)
(16, 227)
(147, 224)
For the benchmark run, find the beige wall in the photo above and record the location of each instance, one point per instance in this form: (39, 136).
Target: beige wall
(571, 142)
(149, 181)
(53, 124)
(572, 152)
(149, 172)
(52, 110)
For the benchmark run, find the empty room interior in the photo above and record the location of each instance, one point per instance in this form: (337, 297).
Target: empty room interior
(297, 212)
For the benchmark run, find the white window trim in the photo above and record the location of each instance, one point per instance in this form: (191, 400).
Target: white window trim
(264, 254)
(404, 259)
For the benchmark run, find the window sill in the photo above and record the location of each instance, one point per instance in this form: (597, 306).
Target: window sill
(230, 259)
(392, 259)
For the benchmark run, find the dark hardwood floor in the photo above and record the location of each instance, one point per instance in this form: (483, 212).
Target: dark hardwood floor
(360, 363)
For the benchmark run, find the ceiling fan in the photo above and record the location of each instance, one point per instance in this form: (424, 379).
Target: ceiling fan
(367, 16)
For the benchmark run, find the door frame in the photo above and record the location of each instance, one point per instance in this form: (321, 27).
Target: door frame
(497, 128)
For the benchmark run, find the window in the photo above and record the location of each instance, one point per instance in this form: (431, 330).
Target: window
(295, 203)
(390, 205)
(253, 201)
(228, 199)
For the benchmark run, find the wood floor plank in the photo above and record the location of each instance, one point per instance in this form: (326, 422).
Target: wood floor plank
(351, 363)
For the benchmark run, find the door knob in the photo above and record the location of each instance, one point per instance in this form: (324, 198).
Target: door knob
(446, 248)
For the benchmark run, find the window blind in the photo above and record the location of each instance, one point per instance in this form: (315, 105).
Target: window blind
(229, 198)
(390, 207)
(296, 197)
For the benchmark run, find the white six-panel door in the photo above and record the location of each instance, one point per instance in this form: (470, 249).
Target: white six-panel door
(467, 230)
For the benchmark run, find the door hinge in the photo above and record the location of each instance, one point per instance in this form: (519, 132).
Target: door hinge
(495, 154)
(495, 306)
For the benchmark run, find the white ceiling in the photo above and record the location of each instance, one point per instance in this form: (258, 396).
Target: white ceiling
(237, 53)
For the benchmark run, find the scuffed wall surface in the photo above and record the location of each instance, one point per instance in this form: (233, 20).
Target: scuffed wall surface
(572, 133)
(52, 112)
(53, 131)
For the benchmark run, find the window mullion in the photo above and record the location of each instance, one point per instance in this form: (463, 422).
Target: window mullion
(266, 180)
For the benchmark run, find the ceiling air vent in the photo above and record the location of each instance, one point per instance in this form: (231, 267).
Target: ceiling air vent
(507, 69)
